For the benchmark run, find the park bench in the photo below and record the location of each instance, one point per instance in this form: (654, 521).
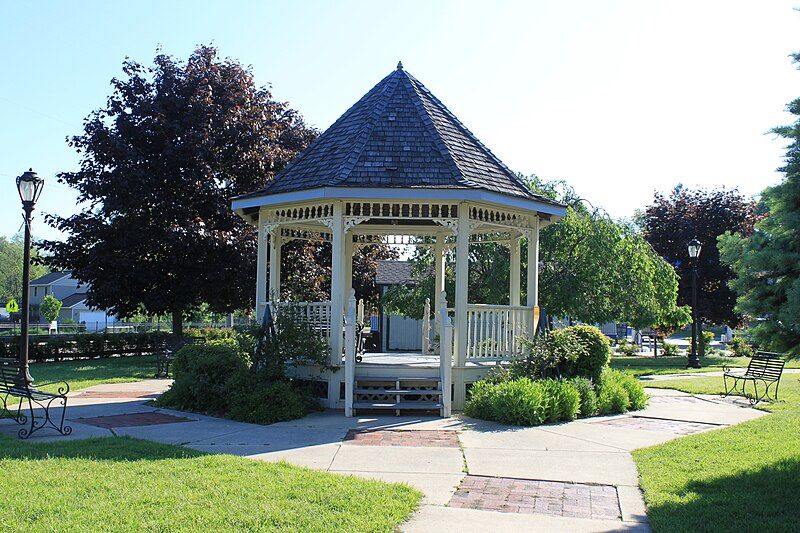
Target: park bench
(765, 368)
(35, 399)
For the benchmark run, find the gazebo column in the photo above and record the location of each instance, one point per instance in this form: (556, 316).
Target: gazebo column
(514, 281)
(461, 301)
(275, 243)
(261, 269)
(349, 247)
(337, 301)
(533, 264)
(438, 287)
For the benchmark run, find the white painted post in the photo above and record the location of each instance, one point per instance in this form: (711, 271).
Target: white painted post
(462, 298)
(426, 327)
(337, 300)
(360, 314)
(446, 358)
(350, 354)
(514, 282)
(438, 288)
(533, 264)
(275, 265)
(261, 270)
(348, 262)
(533, 274)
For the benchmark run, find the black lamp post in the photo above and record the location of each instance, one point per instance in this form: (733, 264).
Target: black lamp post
(29, 186)
(694, 248)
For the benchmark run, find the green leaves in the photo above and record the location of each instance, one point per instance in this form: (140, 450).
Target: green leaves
(50, 307)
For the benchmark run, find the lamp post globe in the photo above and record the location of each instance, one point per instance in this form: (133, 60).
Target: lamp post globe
(29, 187)
(693, 248)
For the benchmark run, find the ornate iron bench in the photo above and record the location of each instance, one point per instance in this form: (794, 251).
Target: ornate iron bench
(35, 399)
(765, 368)
(165, 353)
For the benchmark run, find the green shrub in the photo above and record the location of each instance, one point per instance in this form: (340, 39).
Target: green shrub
(596, 355)
(524, 402)
(201, 372)
(619, 392)
(498, 374)
(739, 347)
(627, 348)
(262, 402)
(550, 355)
(670, 350)
(588, 406)
(294, 343)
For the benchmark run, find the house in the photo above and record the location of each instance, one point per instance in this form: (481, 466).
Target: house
(399, 163)
(72, 295)
(397, 333)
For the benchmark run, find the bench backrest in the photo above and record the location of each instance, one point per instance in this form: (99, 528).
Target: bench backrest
(766, 366)
(9, 368)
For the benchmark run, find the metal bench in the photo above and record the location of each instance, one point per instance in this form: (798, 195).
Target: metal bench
(35, 399)
(165, 353)
(765, 368)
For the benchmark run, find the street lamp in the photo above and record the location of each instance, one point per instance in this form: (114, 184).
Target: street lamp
(29, 186)
(694, 248)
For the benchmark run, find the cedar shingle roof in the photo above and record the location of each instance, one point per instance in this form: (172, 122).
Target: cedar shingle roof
(398, 135)
(394, 272)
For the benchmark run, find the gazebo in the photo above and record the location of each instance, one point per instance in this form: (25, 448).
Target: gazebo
(398, 166)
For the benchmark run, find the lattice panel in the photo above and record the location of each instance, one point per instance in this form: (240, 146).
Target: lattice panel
(299, 214)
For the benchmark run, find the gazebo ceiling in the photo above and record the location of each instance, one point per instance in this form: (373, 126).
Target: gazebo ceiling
(398, 141)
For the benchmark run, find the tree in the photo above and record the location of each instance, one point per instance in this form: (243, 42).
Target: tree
(595, 269)
(50, 307)
(671, 221)
(766, 263)
(160, 164)
(11, 267)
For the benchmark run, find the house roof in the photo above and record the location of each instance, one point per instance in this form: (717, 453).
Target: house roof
(73, 299)
(394, 272)
(47, 279)
(398, 135)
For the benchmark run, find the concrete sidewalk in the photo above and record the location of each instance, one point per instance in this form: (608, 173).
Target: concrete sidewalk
(475, 475)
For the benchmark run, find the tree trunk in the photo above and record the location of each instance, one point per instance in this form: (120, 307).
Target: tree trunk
(177, 322)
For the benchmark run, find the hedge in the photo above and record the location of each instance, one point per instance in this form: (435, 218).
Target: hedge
(85, 345)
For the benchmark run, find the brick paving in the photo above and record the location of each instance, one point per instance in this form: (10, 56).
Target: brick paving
(678, 427)
(554, 498)
(398, 437)
(132, 420)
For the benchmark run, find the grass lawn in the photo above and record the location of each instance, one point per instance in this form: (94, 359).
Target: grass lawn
(124, 484)
(88, 372)
(742, 478)
(643, 365)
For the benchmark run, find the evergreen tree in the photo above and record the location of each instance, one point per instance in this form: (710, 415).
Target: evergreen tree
(767, 263)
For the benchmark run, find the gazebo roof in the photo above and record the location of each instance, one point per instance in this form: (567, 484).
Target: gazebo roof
(398, 135)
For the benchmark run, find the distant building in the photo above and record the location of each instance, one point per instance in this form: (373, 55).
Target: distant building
(73, 300)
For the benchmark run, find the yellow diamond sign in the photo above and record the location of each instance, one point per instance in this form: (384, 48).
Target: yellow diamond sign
(12, 306)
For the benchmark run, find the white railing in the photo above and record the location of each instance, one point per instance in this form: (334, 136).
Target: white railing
(493, 331)
(426, 328)
(317, 315)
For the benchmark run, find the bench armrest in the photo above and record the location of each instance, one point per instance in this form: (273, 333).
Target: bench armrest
(62, 389)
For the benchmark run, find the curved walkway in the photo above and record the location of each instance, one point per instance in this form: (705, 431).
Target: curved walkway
(475, 475)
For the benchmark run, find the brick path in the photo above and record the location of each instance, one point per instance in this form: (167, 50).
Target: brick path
(554, 498)
(132, 420)
(678, 427)
(394, 437)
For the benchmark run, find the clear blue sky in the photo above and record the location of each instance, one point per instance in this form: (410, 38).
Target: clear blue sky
(620, 98)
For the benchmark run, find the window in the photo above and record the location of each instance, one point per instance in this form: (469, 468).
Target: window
(36, 291)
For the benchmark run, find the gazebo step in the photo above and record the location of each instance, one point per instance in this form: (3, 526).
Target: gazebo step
(397, 391)
(397, 405)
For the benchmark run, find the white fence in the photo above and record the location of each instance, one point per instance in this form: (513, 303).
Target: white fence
(493, 331)
(316, 315)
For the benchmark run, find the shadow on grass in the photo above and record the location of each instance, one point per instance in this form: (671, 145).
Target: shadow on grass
(98, 449)
(754, 500)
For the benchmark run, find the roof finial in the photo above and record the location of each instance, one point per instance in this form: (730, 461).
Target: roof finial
(399, 65)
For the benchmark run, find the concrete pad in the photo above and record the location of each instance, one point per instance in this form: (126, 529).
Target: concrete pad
(435, 519)
(184, 432)
(437, 488)
(702, 410)
(421, 460)
(529, 439)
(622, 438)
(10, 428)
(610, 468)
(662, 392)
(316, 457)
(273, 438)
(631, 503)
